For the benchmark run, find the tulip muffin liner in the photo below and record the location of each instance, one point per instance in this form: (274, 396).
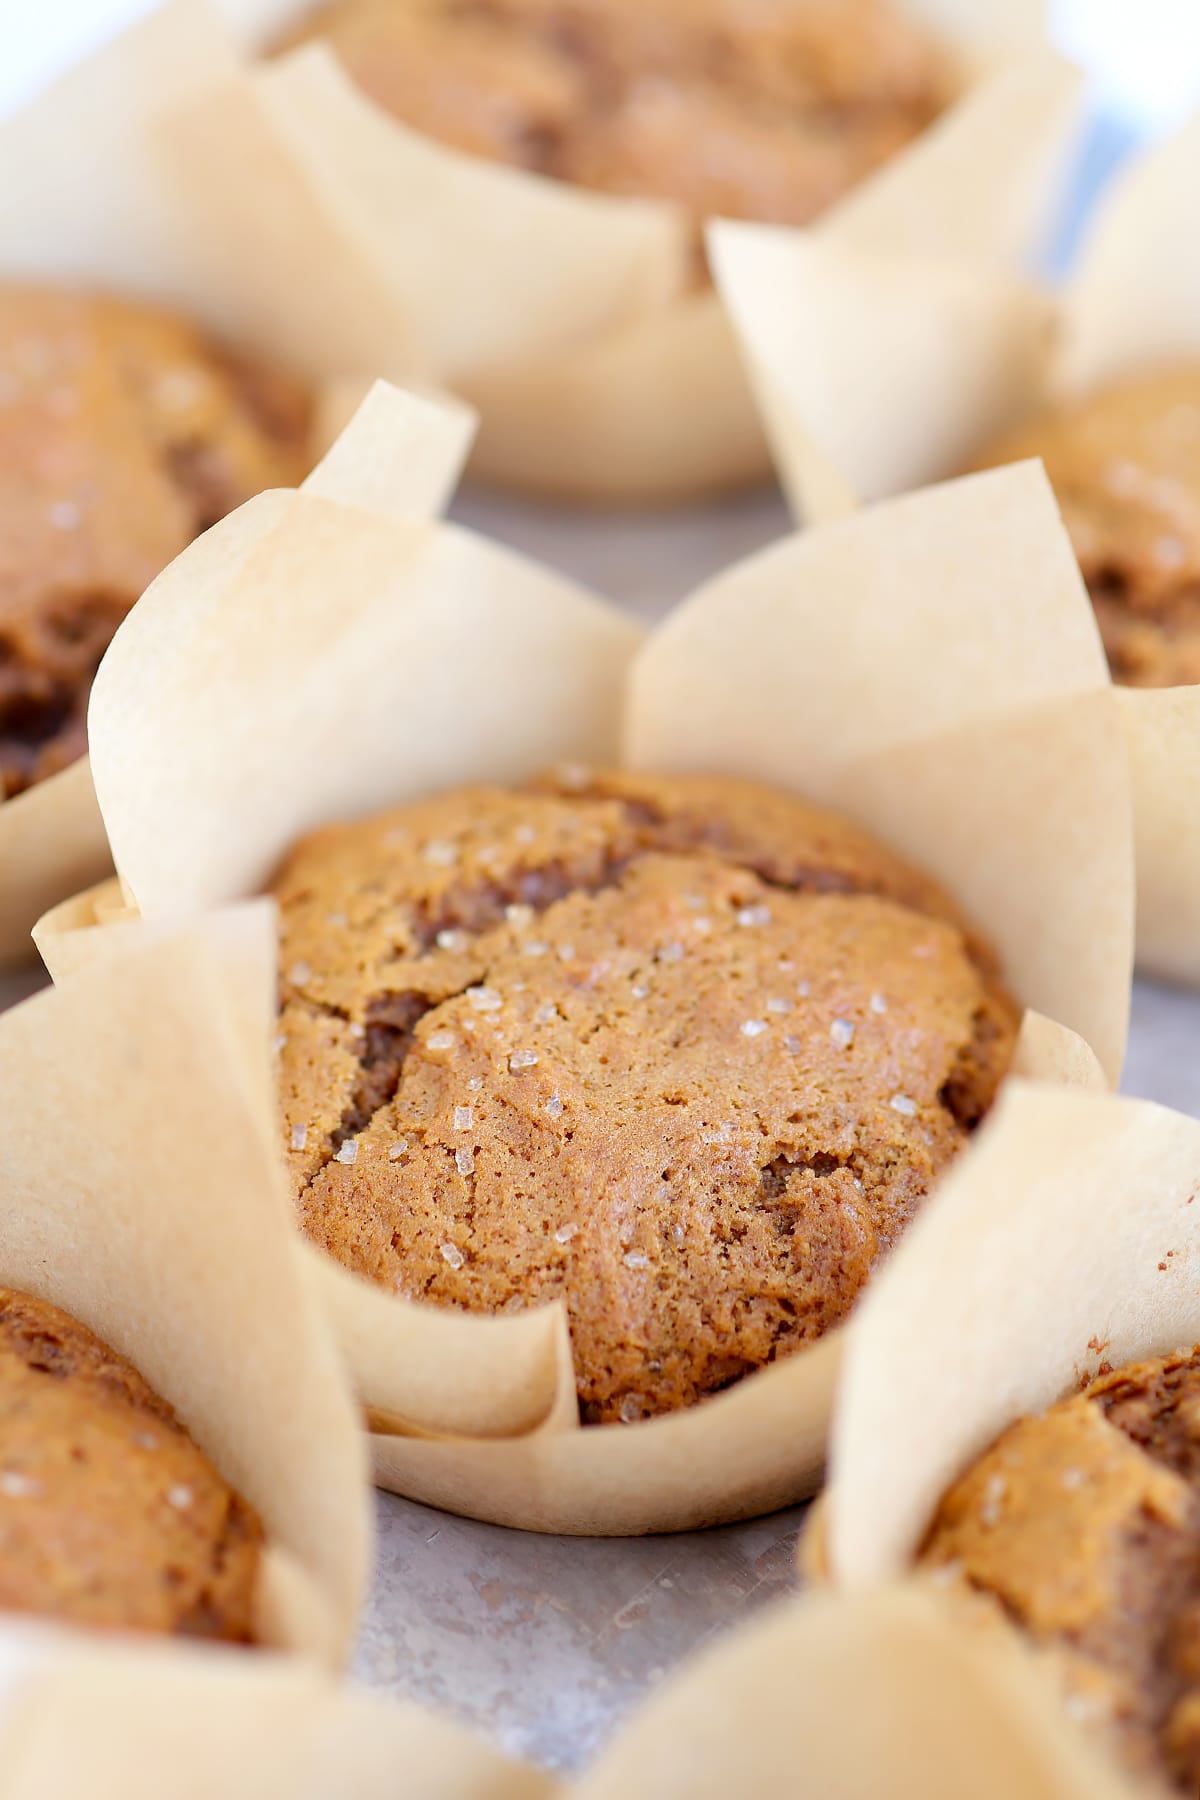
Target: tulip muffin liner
(571, 319)
(119, 1722)
(133, 229)
(877, 1696)
(142, 1194)
(1085, 1204)
(317, 656)
(884, 358)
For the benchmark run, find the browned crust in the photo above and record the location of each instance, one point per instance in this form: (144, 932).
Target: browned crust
(109, 1513)
(684, 1053)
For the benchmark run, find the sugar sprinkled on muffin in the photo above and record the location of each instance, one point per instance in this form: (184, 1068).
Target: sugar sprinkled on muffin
(685, 1053)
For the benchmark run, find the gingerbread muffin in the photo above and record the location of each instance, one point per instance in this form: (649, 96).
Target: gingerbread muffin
(684, 1053)
(124, 432)
(751, 112)
(1125, 465)
(109, 1514)
(1083, 1525)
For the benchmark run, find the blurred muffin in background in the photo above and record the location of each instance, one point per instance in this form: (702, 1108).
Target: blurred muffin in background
(768, 110)
(110, 1516)
(124, 432)
(1125, 465)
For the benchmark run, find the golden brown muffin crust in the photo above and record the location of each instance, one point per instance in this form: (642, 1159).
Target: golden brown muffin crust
(1083, 1524)
(109, 1514)
(123, 433)
(1125, 465)
(684, 1053)
(756, 111)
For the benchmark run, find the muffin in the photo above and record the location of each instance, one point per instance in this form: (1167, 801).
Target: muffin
(764, 112)
(686, 1054)
(109, 1514)
(124, 432)
(1082, 1526)
(1125, 465)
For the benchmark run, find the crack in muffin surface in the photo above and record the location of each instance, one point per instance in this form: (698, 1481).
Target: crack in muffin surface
(694, 1085)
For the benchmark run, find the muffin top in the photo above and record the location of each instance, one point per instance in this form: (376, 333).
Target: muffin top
(1125, 466)
(1083, 1524)
(761, 112)
(109, 1514)
(684, 1053)
(123, 433)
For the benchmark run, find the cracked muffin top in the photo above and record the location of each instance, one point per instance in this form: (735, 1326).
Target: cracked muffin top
(1125, 466)
(684, 1053)
(1082, 1525)
(768, 111)
(109, 1514)
(123, 434)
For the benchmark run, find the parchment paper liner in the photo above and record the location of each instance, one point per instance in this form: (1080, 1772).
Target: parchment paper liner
(312, 658)
(115, 1721)
(1085, 1202)
(132, 228)
(1086, 1205)
(569, 318)
(142, 1193)
(870, 1697)
(884, 358)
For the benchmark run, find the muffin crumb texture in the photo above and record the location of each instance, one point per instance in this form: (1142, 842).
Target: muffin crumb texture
(1125, 466)
(683, 1053)
(746, 111)
(123, 434)
(109, 1513)
(1082, 1524)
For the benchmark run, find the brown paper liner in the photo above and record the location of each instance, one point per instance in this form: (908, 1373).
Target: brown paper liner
(1065, 1236)
(52, 839)
(887, 356)
(132, 229)
(314, 657)
(118, 1722)
(873, 1697)
(1094, 1196)
(143, 1195)
(568, 317)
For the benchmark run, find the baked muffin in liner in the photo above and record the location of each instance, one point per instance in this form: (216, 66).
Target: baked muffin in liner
(573, 319)
(874, 1696)
(1086, 1206)
(317, 657)
(134, 231)
(117, 1720)
(142, 1196)
(889, 357)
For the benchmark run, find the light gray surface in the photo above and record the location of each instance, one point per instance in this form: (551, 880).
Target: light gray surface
(546, 1642)
(647, 561)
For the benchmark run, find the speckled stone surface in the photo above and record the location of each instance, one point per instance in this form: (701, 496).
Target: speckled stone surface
(546, 1643)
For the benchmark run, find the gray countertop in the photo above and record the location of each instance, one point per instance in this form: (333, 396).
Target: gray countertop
(546, 1642)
